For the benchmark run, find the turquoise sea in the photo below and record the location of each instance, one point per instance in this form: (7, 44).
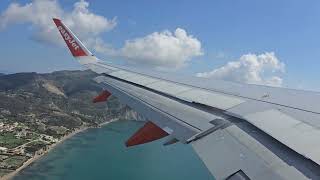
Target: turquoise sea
(101, 154)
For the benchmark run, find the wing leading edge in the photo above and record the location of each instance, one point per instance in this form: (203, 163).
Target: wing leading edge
(239, 131)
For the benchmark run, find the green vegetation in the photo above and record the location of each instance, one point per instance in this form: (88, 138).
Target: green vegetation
(35, 146)
(8, 140)
(32, 136)
(13, 162)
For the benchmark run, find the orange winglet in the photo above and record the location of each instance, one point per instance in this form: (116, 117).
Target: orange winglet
(149, 132)
(103, 96)
(74, 46)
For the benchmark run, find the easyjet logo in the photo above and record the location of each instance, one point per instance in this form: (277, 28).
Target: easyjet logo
(68, 38)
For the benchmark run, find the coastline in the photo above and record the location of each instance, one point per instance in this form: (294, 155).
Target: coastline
(38, 156)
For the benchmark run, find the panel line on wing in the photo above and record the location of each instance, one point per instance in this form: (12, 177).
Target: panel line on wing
(219, 91)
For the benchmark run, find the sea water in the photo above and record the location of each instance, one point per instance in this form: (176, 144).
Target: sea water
(100, 153)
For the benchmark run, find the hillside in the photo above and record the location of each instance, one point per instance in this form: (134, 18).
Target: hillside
(58, 99)
(38, 110)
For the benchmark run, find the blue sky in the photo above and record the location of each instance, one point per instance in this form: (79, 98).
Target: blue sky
(226, 30)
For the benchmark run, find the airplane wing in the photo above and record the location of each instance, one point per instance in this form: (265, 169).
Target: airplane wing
(240, 131)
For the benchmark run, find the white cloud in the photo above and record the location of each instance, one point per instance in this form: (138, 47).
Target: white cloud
(40, 13)
(162, 49)
(252, 69)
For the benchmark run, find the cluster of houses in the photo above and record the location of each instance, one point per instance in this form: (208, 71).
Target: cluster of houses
(22, 133)
(8, 127)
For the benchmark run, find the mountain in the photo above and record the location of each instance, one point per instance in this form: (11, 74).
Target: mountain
(56, 103)
(5, 72)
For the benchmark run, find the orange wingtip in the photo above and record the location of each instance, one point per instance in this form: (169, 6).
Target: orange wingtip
(149, 132)
(70, 40)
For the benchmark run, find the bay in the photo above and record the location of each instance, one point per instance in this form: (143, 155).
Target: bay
(100, 153)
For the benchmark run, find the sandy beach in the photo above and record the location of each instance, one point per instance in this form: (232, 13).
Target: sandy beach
(38, 156)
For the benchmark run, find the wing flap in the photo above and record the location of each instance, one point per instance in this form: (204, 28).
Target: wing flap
(230, 150)
(297, 135)
(299, 130)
